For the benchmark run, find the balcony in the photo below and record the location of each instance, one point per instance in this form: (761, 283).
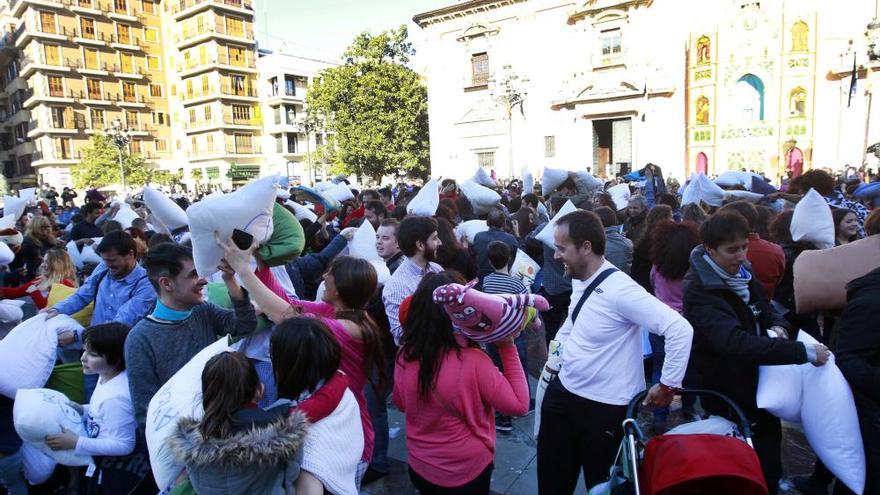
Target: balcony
(189, 37)
(104, 99)
(41, 95)
(94, 39)
(55, 126)
(19, 6)
(217, 152)
(134, 101)
(103, 69)
(51, 34)
(244, 93)
(53, 157)
(286, 96)
(185, 8)
(88, 7)
(222, 61)
(30, 65)
(128, 72)
(125, 42)
(227, 121)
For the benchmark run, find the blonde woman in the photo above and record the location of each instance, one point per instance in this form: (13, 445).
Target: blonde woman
(56, 268)
(39, 236)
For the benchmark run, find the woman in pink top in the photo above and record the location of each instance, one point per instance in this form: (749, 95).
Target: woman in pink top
(450, 393)
(349, 285)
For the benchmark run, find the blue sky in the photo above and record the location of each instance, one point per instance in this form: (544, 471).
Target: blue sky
(327, 27)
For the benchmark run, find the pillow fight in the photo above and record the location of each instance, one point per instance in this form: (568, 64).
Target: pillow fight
(253, 341)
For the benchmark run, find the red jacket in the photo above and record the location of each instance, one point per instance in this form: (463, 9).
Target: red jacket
(768, 262)
(21, 291)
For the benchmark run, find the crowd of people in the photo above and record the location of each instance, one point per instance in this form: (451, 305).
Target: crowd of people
(648, 294)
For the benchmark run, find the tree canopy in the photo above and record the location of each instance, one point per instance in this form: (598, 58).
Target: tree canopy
(374, 108)
(100, 167)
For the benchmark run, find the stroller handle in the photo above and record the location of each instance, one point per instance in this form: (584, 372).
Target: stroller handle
(746, 427)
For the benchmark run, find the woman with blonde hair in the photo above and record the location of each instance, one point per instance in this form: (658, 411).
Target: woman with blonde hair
(56, 268)
(39, 236)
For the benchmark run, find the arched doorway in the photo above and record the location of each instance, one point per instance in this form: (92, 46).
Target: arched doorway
(749, 97)
(702, 163)
(794, 162)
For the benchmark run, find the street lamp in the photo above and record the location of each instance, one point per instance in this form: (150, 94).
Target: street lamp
(308, 127)
(510, 91)
(120, 136)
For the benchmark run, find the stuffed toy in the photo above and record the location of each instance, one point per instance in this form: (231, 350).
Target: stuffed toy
(487, 318)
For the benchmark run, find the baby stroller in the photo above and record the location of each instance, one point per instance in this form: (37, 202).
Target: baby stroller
(712, 456)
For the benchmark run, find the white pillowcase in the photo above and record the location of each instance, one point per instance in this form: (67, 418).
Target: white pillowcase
(482, 178)
(28, 355)
(470, 229)
(700, 188)
(39, 412)
(164, 209)
(6, 254)
(780, 390)
(620, 194)
(426, 201)
(248, 209)
(546, 234)
(528, 183)
(812, 221)
(552, 179)
(482, 198)
(363, 243)
(301, 212)
(125, 215)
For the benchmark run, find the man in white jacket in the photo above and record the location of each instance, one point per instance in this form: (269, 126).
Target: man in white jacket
(602, 366)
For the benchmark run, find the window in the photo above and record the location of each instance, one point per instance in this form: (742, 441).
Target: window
(800, 37)
(47, 22)
(241, 114)
(289, 86)
(121, 5)
(273, 84)
(291, 142)
(486, 159)
(161, 145)
(279, 144)
(135, 147)
(58, 119)
(96, 115)
(52, 54)
(549, 147)
(205, 84)
(128, 91)
(94, 88)
(151, 35)
(702, 110)
(209, 141)
(203, 54)
(207, 113)
(152, 62)
(244, 143)
(290, 113)
(277, 112)
(91, 59)
(131, 119)
(24, 164)
(238, 86)
(704, 50)
(611, 46)
(123, 31)
(480, 69)
(156, 90)
(192, 115)
(158, 118)
(234, 26)
(797, 102)
(85, 3)
(236, 56)
(87, 28)
(56, 86)
(126, 61)
(189, 88)
(63, 148)
(148, 7)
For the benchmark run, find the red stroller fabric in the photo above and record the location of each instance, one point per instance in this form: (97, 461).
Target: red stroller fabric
(701, 463)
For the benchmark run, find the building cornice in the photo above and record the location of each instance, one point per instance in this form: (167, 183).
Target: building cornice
(591, 8)
(460, 10)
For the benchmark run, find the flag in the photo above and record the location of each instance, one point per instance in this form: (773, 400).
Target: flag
(853, 82)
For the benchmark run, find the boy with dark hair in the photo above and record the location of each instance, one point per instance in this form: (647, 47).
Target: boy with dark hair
(181, 324)
(767, 258)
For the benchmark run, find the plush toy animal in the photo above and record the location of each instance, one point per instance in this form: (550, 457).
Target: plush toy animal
(486, 318)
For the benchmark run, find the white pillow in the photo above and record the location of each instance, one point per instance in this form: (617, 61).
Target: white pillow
(528, 183)
(735, 178)
(591, 180)
(282, 194)
(28, 194)
(780, 390)
(164, 209)
(524, 268)
(482, 178)
(301, 212)
(248, 209)
(546, 234)
(382, 271)
(340, 192)
(551, 367)
(89, 255)
(10, 310)
(6, 254)
(812, 221)
(125, 215)
(13, 208)
(30, 369)
(37, 466)
(324, 185)
(74, 254)
(700, 188)
(426, 201)
(743, 195)
(39, 412)
(482, 198)
(552, 179)
(831, 422)
(470, 229)
(181, 396)
(620, 194)
(363, 243)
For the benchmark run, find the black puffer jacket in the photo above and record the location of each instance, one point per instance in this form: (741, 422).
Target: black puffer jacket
(858, 357)
(730, 337)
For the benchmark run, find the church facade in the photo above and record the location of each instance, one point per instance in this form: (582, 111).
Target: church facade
(610, 85)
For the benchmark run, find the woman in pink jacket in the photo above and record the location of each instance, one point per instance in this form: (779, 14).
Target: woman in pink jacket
(450, 390)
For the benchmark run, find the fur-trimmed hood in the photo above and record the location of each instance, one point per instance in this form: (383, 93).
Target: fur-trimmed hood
(269, 444)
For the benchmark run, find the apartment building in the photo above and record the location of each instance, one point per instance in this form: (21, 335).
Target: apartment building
(180, 75)
(288, 143)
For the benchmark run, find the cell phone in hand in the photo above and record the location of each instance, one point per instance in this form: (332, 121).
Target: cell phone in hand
(242, 239)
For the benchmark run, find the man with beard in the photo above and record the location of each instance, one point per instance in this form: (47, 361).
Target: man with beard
(636, 213)
(602, 368)
(417, 238)
(181, 324)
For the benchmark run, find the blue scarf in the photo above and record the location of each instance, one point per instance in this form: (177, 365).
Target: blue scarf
(165, 313)
(738, 283)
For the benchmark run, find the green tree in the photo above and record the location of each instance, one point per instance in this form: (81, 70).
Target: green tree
(100, 167)
(375, 108)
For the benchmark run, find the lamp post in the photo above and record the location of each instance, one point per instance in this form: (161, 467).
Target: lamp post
(291, 165)
(120, 136)
(509, 90)
(308, 127)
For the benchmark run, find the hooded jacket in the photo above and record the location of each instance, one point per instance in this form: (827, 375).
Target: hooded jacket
(261, 459)
(730, 336)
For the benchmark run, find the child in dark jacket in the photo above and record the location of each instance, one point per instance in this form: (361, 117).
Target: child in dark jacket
(238, 448)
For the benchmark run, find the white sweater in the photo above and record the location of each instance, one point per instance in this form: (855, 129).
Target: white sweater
(109, 420)
(333, 447)
(602, 350)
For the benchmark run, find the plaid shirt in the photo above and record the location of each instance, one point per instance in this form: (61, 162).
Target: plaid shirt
(403, 283)
(837, 200)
